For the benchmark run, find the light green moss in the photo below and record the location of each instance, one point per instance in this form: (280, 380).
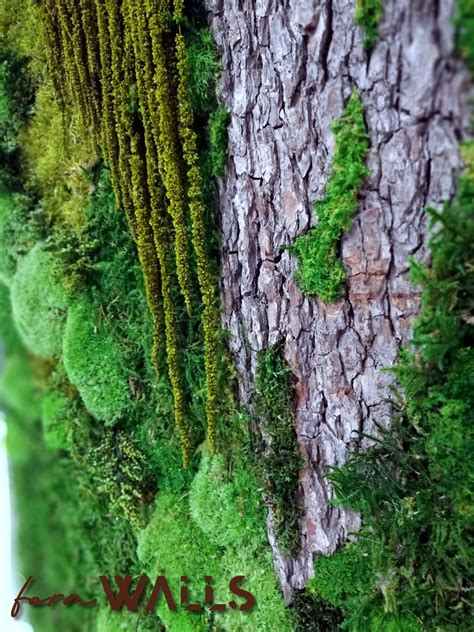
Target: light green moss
(54, 409)
(95, 363)
(39, 303)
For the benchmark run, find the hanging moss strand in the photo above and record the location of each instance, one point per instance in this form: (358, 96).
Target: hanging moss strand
(197, 208)
(170, 149)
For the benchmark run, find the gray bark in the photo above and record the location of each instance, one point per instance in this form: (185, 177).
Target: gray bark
(289, 69)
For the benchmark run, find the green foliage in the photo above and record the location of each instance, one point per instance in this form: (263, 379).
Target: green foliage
(464, 21)
(218, 139)
(226, 504)
(279, 459)
(410, 568)
(368, 14)
(118, 468)
(95, 363)
(173, 544)
(313, 614)
(16, 97)
(124, 621)
(204, 68)
(11, 342)
(17, 388)
(320, 270)
(20, 228)
(53, 415)
(39, 303)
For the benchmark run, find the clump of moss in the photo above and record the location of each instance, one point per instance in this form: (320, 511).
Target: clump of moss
(226, 504)
(313, 614)
(368, 14)
(95, 363)
(173, 544)
(218, 140)
(410, 568)
(320, 270)
(279, 458)
(39, 303)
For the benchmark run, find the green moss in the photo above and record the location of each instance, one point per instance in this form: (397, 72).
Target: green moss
(464, 22)
(227, 505)
(124, 621)
(279, 459)
(368, 14)
(53, 415)
(17, 388)
(19, 230)
(320, 270)
(95, 363)
(39, 303)
(204, 68)
(173, 545)
(410, 567)
(218, 140)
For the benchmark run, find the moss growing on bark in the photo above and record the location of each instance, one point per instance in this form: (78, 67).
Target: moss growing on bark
(410, 568)
(279, 459)
(368, 14)
(320, 269)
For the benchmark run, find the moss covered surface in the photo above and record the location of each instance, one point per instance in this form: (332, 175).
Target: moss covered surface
(320, 269)
(410, 567)
(111, 317)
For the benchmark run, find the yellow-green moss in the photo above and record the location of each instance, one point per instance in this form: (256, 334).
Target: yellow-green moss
(139, 103)
(210, 314)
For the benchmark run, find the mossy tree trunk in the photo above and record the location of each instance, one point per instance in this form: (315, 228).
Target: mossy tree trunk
(289, 70)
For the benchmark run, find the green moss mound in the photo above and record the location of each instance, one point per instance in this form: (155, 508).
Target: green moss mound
(95, 363)
(173, 544)
(39, 303)
(227, 507)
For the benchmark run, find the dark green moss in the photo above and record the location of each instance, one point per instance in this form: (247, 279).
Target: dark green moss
(279, 459)
(218, 140)
(368, 14)
(464, 22)
(320, 270)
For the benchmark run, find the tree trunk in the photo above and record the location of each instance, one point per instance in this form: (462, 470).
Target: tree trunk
(289, 69)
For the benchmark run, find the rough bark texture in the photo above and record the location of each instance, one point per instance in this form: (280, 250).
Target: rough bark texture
(289, 68)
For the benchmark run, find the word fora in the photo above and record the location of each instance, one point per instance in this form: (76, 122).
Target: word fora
(131, 600)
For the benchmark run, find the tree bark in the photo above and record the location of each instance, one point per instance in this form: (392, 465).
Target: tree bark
(289, 69)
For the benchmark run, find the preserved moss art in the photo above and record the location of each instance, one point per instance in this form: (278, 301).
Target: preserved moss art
(320, 269)
(127, 56)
